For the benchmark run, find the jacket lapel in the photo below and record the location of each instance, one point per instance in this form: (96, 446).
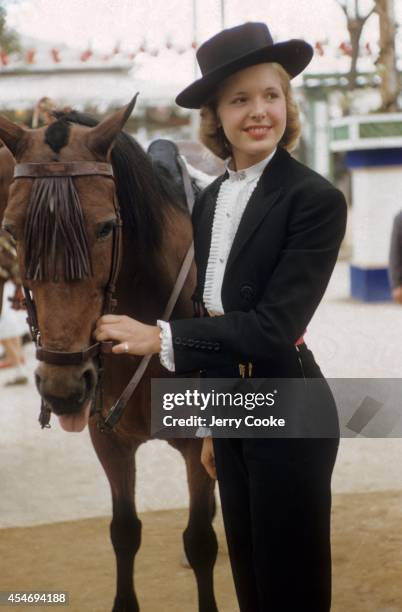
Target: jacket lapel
(267, 192)
(204, 228)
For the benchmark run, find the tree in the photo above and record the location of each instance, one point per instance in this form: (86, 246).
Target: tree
(8, 39)
(355, 22)
(386, 62)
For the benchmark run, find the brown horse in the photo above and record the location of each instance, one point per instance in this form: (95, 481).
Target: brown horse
(67, 276)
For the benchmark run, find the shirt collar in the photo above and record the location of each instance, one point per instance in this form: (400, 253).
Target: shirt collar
(250, 173)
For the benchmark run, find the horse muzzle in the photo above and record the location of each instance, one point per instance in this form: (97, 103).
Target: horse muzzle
(68, 392)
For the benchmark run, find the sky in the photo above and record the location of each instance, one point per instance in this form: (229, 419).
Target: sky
(102, 23)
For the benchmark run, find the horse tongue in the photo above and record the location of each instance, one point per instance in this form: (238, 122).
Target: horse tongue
(75, 422)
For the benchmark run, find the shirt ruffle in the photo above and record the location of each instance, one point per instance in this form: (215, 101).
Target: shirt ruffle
(231, 202)
(166, 354)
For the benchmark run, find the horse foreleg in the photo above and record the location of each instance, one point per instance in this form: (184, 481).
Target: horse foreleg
(118, 461)
(200, 542)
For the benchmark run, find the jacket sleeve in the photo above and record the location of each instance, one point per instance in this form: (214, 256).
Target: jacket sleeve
(291, 295)
(395, 256)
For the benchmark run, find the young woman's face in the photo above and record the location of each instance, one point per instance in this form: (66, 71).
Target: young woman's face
(252, 110)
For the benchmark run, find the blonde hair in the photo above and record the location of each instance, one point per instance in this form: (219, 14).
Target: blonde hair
(213, 136)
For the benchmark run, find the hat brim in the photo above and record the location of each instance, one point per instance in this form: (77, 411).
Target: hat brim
(294, 55)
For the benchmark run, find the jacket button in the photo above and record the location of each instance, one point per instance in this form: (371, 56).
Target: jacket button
(247, 292)
(177, 340)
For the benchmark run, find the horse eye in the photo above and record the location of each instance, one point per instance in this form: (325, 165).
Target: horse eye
(105, 230)
(10, 230)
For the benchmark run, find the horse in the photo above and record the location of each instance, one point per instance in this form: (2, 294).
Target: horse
(66, 272)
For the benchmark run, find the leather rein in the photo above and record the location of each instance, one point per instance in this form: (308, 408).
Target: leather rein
(98, 349)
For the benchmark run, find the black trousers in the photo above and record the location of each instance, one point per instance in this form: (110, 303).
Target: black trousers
(276, 504)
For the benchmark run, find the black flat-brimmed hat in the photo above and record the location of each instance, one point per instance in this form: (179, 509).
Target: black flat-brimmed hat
(240, 47)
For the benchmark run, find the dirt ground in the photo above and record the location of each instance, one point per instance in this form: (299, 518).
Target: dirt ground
(77, 557)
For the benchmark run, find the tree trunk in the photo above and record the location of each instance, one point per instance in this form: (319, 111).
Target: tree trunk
(386, 62)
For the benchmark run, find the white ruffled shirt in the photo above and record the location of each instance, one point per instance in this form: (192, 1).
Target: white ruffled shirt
(232, 200)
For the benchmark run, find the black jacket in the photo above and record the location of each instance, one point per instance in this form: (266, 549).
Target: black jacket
(395, 255)
(278, 268)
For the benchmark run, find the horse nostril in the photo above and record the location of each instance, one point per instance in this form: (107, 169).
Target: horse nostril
(89, 381)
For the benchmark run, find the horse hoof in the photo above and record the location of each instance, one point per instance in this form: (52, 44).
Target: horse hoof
(123, 604)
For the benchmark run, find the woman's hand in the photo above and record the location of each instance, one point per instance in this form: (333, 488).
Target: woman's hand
(397, 294)
(133, 337)
(208, 457)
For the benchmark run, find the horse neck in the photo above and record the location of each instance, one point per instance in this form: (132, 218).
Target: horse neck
(145, 283)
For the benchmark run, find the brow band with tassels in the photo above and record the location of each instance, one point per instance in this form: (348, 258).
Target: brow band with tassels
(53, 169)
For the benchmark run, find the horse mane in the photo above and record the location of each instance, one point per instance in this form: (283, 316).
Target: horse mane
(145, 191)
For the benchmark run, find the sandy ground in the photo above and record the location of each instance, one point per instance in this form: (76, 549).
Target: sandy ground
(77, 557)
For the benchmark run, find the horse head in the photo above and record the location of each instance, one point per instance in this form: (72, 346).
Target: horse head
(62, 211)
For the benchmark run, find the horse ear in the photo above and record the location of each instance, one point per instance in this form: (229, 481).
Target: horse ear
(102, 136)
(11, 134)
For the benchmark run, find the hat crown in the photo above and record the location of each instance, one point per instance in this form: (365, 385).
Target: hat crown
(232, 43)
(237, 48)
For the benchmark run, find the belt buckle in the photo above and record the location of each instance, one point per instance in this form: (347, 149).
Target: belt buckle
(245, 370)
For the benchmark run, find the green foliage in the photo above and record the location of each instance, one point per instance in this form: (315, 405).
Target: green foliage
(8, 39)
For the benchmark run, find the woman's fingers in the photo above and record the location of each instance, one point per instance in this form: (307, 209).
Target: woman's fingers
(124, 347)
(109, 333)
(131, 335)
(208, 457)
(109, 318)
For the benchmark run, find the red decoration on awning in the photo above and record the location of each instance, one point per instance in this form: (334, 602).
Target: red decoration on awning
(368, 49)
(4, 57)
(55, 53)
(86, 55)
(30, 56)
(319, 47)
(346, 48)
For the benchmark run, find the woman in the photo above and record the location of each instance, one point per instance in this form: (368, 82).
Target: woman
(266, 235)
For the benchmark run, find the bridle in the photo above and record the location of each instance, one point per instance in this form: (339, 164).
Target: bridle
(96, 350)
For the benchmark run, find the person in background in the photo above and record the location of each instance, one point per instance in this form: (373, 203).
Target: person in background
(42, 114)
(266, 238)
(12, 328)
(13, 324)
(395, 259)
